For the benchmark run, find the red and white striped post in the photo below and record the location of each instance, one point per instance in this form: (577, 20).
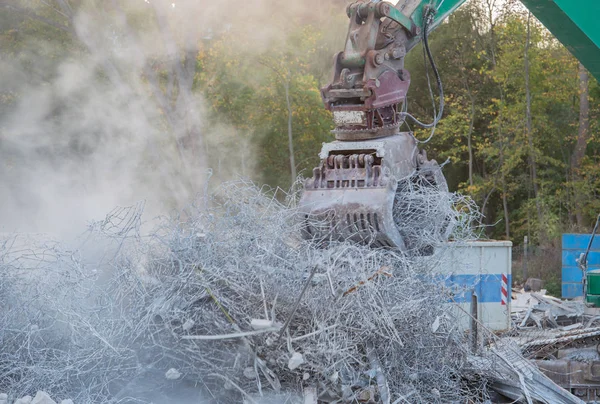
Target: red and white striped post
(504, 290)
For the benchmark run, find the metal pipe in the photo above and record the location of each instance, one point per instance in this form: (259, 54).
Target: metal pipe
(583, 264)
(474, 318)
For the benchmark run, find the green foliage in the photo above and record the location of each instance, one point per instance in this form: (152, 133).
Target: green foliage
(248, 91)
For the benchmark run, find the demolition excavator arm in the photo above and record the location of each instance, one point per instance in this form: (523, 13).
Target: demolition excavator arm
(356, 192)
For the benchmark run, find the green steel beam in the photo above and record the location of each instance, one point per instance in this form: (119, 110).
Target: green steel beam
(444, 9)
(402, 19)
(575, 24)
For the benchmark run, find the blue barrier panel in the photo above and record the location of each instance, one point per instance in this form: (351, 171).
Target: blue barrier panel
(573, 245)
(579, 242)
(569, 257)
(571, 275)
(570, 290)
(487, 287)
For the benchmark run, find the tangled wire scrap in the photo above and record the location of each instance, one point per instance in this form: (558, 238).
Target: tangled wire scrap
(227, 296)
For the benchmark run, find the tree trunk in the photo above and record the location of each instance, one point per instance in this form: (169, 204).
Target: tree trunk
(65, 7)
(491, 5)
(503, 178)
(529, 125)
(183, 69)
(286, 86)
(490, 9)
(469, 141)
(582, 139)
(505, 207)
(473, 111)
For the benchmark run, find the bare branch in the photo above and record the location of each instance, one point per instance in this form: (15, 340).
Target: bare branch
(53, 8)
(66, 8)
(28, 13)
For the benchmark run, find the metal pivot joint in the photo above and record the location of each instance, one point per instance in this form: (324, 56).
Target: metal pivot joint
(369, 82)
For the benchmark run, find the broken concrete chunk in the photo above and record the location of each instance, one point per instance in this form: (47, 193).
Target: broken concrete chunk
(260, 324)
(249, 373)
(366, 395)
(42, 398)
(310, 395)
(69, 401)
(173, 374)
(3, 398)
(188, 324)
(24, 400)
(295, 361)
(270, 340)
(533, 285)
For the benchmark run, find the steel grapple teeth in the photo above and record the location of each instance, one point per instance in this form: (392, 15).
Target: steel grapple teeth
(360, 215)
(352, 193)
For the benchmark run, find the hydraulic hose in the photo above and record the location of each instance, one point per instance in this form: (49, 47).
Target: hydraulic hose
(427, 17)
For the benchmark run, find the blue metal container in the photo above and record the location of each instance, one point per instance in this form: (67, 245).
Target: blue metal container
(573, 245)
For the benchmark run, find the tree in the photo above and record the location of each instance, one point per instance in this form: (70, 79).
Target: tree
(532, 158)
(582, 137)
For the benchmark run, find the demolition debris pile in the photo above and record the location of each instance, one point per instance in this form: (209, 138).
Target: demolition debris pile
(227, 296)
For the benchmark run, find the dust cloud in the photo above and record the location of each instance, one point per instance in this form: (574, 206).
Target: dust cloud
(106, 109)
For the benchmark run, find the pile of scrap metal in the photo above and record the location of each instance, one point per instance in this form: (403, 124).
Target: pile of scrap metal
(562, 338)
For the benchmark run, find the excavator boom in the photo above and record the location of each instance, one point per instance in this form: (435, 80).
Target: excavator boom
(574, 23)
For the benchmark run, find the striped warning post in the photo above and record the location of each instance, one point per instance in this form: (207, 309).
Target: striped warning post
(504, 290)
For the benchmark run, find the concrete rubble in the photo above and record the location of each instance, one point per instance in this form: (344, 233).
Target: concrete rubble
(543, 311)
(561, 338)
(519, 379)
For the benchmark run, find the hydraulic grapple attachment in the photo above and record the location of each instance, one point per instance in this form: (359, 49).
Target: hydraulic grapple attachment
(355, 192)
